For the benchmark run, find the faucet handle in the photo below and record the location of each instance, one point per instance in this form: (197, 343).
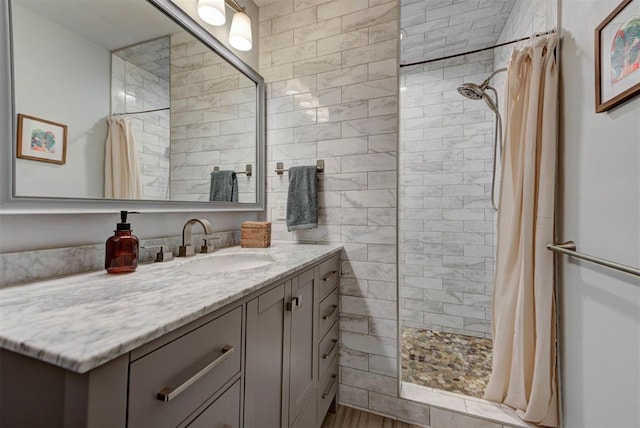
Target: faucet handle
(206, 247)
(161, 256)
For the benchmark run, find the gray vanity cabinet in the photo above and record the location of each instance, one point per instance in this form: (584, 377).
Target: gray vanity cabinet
(268, 359)
(280, 375)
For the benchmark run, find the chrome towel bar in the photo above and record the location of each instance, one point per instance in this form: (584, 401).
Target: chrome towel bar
(569, 248)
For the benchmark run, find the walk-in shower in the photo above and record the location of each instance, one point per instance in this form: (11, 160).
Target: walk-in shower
(477, 92)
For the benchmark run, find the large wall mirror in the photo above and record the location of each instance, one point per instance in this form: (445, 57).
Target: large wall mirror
(131, 100)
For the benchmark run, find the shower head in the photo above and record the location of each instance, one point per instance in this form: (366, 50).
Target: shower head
(471, 91)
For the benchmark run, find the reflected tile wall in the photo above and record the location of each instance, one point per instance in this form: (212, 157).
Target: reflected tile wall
(332, 90)
(213, 109)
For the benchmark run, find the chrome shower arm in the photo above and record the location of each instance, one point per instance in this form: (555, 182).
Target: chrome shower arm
(488, 79)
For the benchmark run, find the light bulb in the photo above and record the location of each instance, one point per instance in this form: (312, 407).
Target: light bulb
(212, 12)
(240, 33)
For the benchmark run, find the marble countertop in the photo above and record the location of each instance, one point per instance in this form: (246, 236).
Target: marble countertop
(82, 321)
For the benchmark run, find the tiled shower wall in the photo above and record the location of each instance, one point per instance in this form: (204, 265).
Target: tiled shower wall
(446, 221)
(134, 89)
(332, 90)
(213, 110)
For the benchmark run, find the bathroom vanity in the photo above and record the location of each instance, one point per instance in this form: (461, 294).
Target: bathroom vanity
(186, 343)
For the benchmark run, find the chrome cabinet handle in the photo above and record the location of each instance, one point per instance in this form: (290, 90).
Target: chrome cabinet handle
(325, 394)
(333, 309)
(169, 393)
(333, 347)
(294, 303)
(329, 275)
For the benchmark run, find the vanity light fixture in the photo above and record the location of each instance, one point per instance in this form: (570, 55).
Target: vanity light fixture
(213, 12)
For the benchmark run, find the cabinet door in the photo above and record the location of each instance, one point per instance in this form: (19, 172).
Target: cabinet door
(266, 329)
(223, 413)
(301, 371)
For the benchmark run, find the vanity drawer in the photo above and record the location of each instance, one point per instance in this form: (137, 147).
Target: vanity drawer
(327, 350)
(327, 389)
(224, 412)
(169, 384)
(329, 274)
(328, 313)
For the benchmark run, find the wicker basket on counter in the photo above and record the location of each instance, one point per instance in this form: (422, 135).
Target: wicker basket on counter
(255, 234)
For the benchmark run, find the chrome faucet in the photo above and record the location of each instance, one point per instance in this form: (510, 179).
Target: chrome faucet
(186, 249)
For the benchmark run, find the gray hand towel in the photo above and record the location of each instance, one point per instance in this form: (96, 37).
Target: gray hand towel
(302, 200)
(224, 186)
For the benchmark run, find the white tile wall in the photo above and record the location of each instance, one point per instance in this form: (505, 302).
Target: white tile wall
(446, 224)
(213, 110)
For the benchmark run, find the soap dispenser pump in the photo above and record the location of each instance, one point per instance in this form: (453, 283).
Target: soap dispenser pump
(121, 253)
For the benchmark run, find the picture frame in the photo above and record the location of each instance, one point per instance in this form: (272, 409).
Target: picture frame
(617, 59)
(41, 140)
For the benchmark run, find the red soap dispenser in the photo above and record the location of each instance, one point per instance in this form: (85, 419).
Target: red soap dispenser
(121, 254)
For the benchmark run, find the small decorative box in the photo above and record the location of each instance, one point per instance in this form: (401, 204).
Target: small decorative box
(256, 234)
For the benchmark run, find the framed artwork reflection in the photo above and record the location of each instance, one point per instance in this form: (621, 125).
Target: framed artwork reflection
(41, 140)
(617, 56)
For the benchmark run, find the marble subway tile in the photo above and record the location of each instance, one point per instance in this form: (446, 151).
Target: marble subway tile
(354, 323)
(370, 53)
(368, 344)
(317, 65)
(342, 216)
(324, 131)
(344, 41)
(354, 287)
(368, 380)
(342, 112)
(369, 234)
(301, 18)
(336, 8)
(353, 359)
(372, 271)
(369, 90)
(371, 16)
(350, 395)
(417, 413)
(382, 290)
(383, 365)
(342, 77)
(382, 69)
(369, 198)
(276, 9)
(293, 53)
(378, 217)
(317, 31)
(293, 86)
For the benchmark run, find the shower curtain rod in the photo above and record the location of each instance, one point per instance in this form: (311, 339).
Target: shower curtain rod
(533, 36)
(139, 112)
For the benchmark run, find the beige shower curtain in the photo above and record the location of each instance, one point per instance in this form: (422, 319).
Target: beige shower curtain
(524, 319)
(121, 169)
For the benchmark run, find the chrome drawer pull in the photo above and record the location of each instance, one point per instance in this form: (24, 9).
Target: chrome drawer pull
(329, 275)
(325, 394)
(168, 393)
(333, 309)
(333, 347)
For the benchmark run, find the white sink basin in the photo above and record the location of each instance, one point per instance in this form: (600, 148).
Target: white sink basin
(228, 263)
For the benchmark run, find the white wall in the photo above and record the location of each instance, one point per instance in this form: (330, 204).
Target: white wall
(600, 209)
(82, 70)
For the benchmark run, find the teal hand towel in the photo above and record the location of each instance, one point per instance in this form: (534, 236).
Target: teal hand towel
(302, 200)
(224, 186)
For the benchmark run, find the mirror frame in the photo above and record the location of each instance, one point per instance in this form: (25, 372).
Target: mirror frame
(11, 204)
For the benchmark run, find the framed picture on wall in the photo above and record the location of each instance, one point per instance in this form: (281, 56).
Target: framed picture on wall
(617, 56)
(41, 140)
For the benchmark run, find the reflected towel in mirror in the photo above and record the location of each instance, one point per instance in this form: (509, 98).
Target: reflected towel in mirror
(224, 186)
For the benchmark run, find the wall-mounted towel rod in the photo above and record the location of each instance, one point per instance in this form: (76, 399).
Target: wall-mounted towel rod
(280, 167)
(569, 248)
(248, 170)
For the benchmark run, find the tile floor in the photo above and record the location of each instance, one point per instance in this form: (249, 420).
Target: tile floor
(446, 361)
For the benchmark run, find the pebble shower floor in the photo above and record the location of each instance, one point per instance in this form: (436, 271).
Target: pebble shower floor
(446, 361)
